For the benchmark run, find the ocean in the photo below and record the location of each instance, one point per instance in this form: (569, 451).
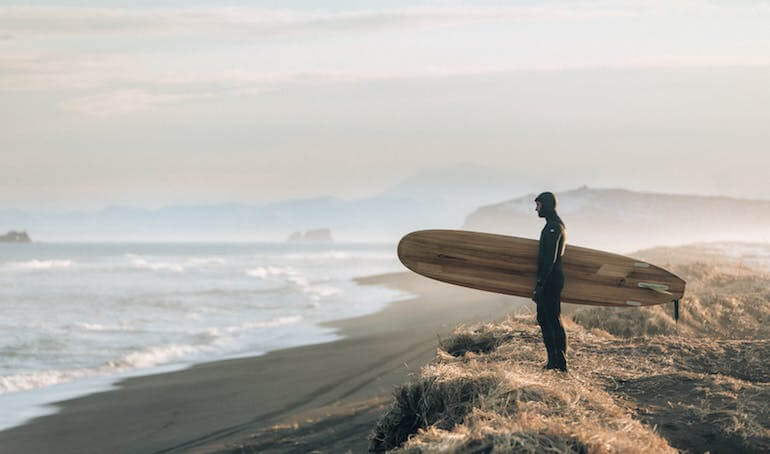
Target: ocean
(77, 317)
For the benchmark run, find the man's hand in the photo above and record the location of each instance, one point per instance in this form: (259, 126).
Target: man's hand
(537, 295)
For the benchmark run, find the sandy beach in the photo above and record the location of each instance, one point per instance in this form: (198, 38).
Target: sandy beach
(324, 397)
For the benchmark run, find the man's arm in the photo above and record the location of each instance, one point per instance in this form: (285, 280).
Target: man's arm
(549, 243)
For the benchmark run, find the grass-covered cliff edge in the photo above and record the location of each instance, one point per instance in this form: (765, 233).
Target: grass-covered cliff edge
(638, 382)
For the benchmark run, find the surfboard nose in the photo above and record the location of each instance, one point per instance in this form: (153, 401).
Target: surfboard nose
(407, 243)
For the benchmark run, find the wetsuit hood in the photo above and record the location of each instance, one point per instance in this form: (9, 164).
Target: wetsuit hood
(548, 205)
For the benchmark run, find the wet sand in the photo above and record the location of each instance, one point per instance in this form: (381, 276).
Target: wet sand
(324, 397)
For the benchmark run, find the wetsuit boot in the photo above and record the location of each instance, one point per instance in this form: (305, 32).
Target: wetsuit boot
(551, 364)
(560, 361)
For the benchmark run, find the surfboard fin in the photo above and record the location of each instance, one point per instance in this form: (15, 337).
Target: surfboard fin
(660, 288)
(676, 311)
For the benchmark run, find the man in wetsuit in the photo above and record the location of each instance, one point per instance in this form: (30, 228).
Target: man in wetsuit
(550, 281)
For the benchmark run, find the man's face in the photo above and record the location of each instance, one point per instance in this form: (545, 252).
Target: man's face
(538, 207)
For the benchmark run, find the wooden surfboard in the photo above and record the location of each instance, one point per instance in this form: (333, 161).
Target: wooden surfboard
(506, 264)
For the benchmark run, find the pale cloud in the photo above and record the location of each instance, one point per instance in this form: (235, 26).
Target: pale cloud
(115, 81)
(43, 20)
(111, 91)
(37, 71)
(282, 102)
(49, 21)
(126, 101)
(25, 70)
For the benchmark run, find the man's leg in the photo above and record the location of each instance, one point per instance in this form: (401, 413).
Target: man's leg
(549, 336)
(551, 310)
(559, 334)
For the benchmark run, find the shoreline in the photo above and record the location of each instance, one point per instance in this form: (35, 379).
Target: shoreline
(28, 404)
(209, 405)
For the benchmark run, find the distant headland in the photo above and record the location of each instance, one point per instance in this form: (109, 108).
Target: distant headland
(15, 237)
(316, 235)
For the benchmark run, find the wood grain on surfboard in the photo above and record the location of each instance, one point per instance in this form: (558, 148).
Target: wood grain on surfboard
(506, 264)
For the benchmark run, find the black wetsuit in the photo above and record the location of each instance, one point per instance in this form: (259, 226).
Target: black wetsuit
(550, 281)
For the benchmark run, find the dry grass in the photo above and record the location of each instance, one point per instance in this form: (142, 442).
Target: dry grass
(503, 401)
(701, 389)
(438, 400)
(724, 299)
(483, 339)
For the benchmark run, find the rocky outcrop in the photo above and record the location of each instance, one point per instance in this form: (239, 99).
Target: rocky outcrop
(15, 237)
(315, 235)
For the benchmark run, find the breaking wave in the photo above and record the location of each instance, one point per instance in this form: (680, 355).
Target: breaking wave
(264, 272)
(214, 340)
(315, 291)
(280, 321)
(153, 356)
(38, 265)
(339, 255)
(77, 316)
(138, 261)
(101, 327)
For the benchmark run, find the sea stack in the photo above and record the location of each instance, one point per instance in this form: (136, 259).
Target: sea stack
(316, 235)
(15, 237)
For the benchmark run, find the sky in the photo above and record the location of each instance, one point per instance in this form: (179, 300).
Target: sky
(177, 102)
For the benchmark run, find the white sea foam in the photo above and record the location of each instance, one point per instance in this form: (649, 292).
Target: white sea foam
(140, 262)
(102, 327)
(24, 382)
(38, 265)
(149, 357)
(296, 278)
(293, 276)
(176, 266)
(264, 272)
(339, 255)
(213, 340)
(259, 272)
(201, 261)
(300, 281)
(280, 321)
(157, 355)
(321, 291)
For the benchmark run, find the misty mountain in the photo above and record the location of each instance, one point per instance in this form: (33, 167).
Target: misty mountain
(373, 218)
(436, 197)
(464, 185)
(613, 219)
(623, 220)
